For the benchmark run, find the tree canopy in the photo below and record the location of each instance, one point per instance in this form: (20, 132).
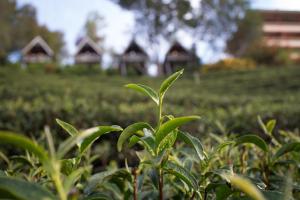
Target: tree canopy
(19, 26)
(247, 34)
(205, 19)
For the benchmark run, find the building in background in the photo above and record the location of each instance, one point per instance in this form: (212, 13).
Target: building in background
(281, 29)
(178, 57)
(37, 51)
(87, 53)
(133, 60)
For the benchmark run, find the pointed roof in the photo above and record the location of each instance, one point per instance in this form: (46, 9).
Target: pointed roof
(87, 42)
(38, 41)
(134, 47)
(178, 48)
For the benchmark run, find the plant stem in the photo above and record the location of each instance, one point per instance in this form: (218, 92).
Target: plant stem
(159, 112)
(161, 184)
(134, 173)
(55, 174)
(59, 187)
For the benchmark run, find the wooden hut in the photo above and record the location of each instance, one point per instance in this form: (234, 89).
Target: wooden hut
(87, 52)
(37, 51)
(178, 57)
(133, 59)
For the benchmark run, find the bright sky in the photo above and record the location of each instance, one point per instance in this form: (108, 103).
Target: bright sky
(69, 17)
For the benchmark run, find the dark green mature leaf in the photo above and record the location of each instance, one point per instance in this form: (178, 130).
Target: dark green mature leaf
(131, 130)
(167, 141)
(99, 178)
(26, 144)
(168, 82)
(22, 190)
(182, 174)
(98, 196)
(171, 125)
(67, 127)
(194, 142)
(253, 139)
(294, 146)
(100, 130)
(273, 195)
(145, 90)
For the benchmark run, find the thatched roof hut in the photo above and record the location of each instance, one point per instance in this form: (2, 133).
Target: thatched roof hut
(37, 51)
(87, 52)
(134, 59)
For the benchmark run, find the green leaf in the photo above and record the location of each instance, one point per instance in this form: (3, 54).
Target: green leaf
(271, 125)
(98, 131)
(182, 174)
(168, 141)
(77, 139)
(194, 142)
(145, 90)
(98, 196)
(147, 141)
(273, 195)
(26, 144)
(245, 186)
(67, 127)
(171, 125)
(73, 177)
(253, 139)
(12, 188)
(294, 146)
(100, 177)
(131, 130)
(168, 82)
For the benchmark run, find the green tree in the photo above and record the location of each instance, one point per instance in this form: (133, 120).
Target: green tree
(92, 27)
(19, 25)
(247, 34)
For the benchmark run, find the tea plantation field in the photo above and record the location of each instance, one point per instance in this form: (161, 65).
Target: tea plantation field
(226, 101)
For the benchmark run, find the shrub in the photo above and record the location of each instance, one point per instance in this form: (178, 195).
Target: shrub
(230, 64)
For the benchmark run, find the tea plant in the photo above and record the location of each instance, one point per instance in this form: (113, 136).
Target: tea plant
(173, 164)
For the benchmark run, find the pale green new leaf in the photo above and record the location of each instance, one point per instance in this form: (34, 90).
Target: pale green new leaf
(100, 130)
(271, 125)
(253, 139)
(12, 188)
(77, 139)
(131, 130)
(245, 186)
(168, 141)
(168, 82)
(294, 146)
(147, 141)
(171, 125)
(145, 90)
(182, 174)
(73, 177)
(194, 142)
(67, 127)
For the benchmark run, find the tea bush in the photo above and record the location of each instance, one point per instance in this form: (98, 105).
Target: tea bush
(172, 164)
(230, 99)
